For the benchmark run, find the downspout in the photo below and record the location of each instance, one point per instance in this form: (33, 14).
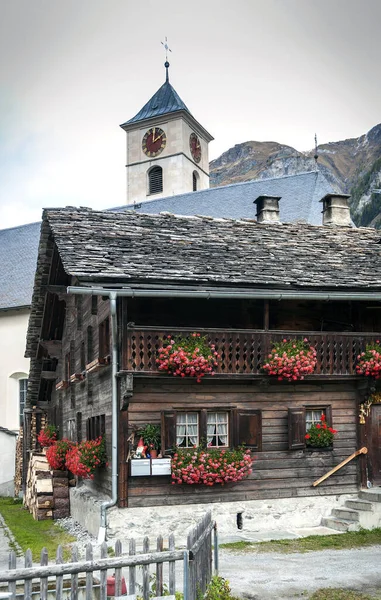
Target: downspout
(114, 435)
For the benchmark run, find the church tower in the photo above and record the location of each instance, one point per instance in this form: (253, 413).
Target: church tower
(167, 149)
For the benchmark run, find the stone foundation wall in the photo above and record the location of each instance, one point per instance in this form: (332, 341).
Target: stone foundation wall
(256, 515)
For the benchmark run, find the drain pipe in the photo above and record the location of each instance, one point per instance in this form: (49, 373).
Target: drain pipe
(114, 400)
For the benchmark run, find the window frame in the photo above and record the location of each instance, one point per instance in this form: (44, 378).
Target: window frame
(297, 423)
(23, 390)
(104, 342)
(244, 427)
(157, 173)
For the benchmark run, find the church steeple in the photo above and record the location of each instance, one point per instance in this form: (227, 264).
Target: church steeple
(167, 149)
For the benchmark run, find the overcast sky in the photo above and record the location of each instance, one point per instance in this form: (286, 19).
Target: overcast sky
(72, 70)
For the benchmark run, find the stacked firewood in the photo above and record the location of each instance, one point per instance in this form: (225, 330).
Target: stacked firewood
(18, 463)
(47, 491)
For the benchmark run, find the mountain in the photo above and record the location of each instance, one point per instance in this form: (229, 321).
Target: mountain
(352, 166)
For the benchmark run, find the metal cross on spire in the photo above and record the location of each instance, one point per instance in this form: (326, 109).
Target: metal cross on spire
(316, 156)
(166, 64)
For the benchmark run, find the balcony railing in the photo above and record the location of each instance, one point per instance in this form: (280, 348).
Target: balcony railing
(243, 352)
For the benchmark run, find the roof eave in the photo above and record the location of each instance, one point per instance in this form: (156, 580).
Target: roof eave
(187, 116)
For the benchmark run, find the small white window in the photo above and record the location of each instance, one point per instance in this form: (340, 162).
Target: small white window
(187, 432)
(217, 429)
(313, 416)
(23, 388)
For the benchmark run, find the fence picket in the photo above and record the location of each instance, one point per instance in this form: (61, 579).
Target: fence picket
(74, 576)
(132, 570)
(159, 568)
(103, 578)
(172, 567)
(59, 579)
(28, 582)
(118, 572)
(89, 575)
(44, 580)
(146, 570)
(12, 565)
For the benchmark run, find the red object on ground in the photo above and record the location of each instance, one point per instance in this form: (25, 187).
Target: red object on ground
(111, 586)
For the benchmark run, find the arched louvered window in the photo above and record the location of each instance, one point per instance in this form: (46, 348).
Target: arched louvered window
(155, 180)
(195, 178)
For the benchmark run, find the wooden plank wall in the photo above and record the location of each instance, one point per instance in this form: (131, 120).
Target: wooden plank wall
(75, 399)
(277, 472)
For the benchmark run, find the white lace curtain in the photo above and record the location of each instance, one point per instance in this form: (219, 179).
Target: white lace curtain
(217, 429)
(187, 430)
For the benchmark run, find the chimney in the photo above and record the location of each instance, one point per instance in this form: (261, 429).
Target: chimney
(267, 209)
(336, 210)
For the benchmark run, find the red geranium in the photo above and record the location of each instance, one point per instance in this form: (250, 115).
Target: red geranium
(369, 362)
(84, 458)
(320, 434)
(56, 454)
(47, 436)
(210, 466)
(187, 356)
(291, 360)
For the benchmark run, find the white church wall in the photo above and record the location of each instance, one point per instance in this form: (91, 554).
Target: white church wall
(13, 365)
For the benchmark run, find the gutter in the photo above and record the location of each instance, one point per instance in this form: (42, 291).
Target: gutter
(129, 292)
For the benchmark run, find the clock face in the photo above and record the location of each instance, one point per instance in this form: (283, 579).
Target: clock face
(195, 147)
(154, 141)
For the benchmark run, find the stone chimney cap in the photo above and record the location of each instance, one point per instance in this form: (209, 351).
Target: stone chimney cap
(266, 197)
(335, 195)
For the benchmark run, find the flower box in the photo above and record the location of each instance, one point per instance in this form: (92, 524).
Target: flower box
(62, 385)
(98, 363)
(77, 377)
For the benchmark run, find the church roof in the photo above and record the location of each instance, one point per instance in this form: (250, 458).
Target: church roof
(300, 195)
(18, 258)
(166, 249)
(165, 100)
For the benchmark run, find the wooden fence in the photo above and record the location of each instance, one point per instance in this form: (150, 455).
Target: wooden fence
(87, 579)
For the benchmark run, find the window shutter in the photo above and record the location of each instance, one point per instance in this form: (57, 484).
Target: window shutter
(248, 428)
(168, 431)
(296, 428)
(328, 415)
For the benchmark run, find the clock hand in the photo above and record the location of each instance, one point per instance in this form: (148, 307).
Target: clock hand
(153, 135)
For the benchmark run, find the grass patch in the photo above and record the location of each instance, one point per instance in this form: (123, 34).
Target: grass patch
(312, 543)
(340, 594)
(32, 534)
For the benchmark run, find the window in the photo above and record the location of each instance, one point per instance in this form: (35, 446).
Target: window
(300, 420)
(95, 427)
(195, 178)
(83, 357)
(104, 338)
(78, 306)
(219, 428)
(90, 346)
(155, 180)
(79, 427)
(94, 305)
(23, 388)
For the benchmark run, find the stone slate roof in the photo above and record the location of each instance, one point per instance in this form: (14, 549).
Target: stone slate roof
(300, 196)
(141, 248)
(18, 258)
(165, 100)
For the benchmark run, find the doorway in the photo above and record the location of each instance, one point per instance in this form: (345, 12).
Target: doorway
(375, 444)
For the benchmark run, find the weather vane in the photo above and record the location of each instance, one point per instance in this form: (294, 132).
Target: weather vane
(166, 64)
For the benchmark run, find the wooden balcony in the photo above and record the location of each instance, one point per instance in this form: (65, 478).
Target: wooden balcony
(243, 352)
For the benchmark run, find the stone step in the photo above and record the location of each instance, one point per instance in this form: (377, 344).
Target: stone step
(359, 505)
(346, 513)
(372, 495)
(339, 524)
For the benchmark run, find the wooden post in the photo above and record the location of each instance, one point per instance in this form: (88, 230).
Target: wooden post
(132, 570)
(44, 580)
(159, 568)
(146, 570)
(59, 578)
(103, 578)
(74, 576)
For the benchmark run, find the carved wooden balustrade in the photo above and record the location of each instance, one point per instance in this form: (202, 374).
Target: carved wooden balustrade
(242, 352)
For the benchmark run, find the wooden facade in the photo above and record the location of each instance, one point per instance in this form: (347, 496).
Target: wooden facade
(70, 336)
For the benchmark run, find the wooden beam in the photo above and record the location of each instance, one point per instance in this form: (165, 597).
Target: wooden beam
(53, 347)
(344, 462)
(50, 375)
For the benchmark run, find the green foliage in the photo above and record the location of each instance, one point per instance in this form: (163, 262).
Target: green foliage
(151, 435)
(218, 589)
(32, 534)
(339, 594)
(312, 543)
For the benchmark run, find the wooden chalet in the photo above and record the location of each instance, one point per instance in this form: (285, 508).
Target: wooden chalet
(244, 284)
